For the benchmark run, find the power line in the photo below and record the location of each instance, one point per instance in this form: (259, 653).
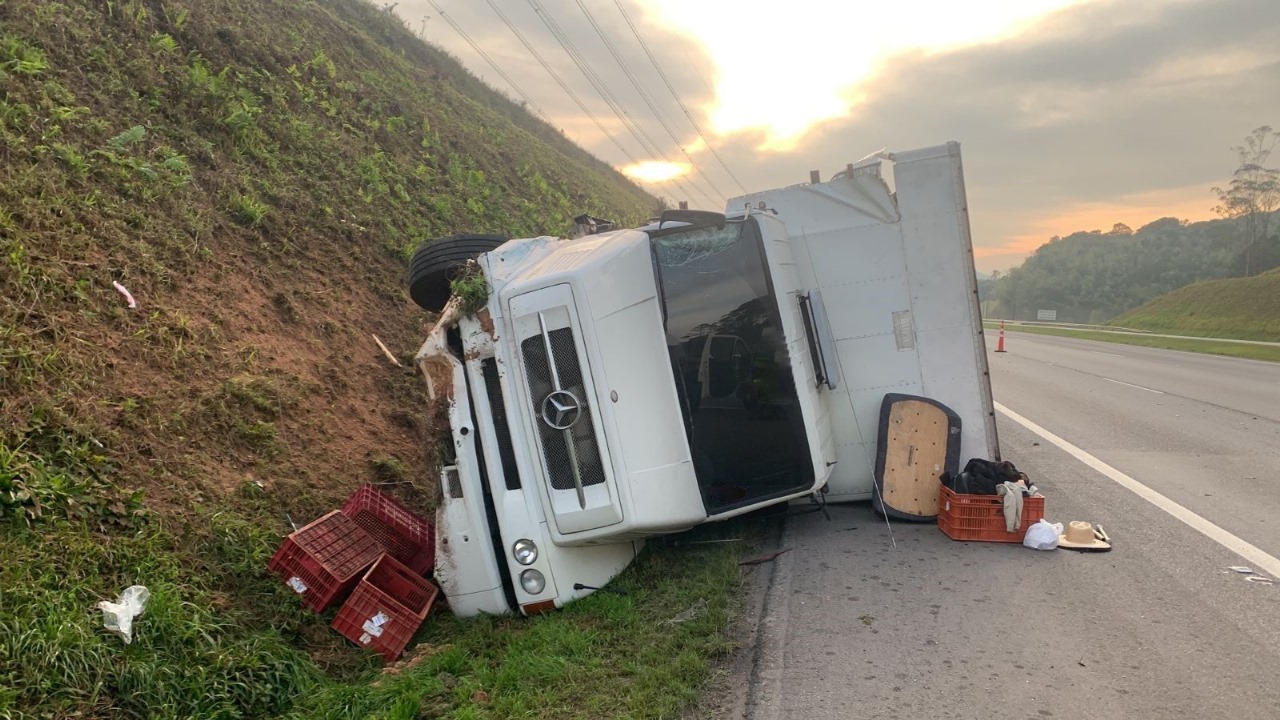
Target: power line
(555, 76)
(626, 16)
(485, 56)
(643, 95)
(605, 93)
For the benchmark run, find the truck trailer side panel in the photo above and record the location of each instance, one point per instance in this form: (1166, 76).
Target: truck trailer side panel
(896, 274)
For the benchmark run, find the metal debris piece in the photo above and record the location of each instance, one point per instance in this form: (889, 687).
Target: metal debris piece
(1241, 569)
(678, 543)
(1260, 579)
(766, 557)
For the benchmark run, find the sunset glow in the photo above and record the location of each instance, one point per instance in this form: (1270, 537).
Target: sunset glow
(656, 171)
(809, 59)
(1185, 203)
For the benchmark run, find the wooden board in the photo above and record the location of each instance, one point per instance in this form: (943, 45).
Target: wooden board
(919, 440)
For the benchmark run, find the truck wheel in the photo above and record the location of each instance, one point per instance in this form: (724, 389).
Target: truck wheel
(435, 263)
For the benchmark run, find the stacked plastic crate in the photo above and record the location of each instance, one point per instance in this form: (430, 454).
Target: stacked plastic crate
(378, 551)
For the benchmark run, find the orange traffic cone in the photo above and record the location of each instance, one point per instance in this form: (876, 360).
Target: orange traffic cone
(1000, 341)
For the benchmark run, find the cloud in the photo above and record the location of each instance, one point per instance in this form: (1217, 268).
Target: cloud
(683, 60)
(1120, 107)
(1115, 106)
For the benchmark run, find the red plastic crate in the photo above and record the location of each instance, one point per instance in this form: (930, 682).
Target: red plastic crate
(981, 517)
(386, 608)
(323, 560)
(403, 534)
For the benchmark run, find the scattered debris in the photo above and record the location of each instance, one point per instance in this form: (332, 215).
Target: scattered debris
(480, 696)
(1250, 574)
(1101, 534)
(1043, 535)
(765, 558)
(867, 620)
(118, 616)
(684, 617)
(1084, 537)
(615, 591)
(386, 352)
(678, 543)
(125, 292)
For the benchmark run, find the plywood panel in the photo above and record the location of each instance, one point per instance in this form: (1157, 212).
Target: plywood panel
(919, 440)
(915, 456)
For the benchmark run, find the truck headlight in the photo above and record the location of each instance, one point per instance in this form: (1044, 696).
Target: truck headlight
(524, 551)
(532, 581)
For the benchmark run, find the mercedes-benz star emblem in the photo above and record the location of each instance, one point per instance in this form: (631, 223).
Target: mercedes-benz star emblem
(561, 410)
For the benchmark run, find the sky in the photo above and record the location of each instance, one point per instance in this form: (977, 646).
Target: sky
(1071, 114)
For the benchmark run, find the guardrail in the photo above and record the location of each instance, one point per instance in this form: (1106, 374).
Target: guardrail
(995, 322)
(1070, 326)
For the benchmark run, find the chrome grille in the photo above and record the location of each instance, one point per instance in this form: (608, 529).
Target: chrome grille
(562, 447)
(501, 428)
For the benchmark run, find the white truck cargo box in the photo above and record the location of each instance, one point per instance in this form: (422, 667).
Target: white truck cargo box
(896, 277)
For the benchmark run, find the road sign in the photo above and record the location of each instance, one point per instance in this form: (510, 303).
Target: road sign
(1050, 315)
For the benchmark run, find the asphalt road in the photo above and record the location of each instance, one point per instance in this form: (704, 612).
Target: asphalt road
(857, 623)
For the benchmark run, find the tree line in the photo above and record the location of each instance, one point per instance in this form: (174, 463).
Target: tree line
(1091, 277)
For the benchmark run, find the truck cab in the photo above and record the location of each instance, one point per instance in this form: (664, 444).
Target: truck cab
(639, 382)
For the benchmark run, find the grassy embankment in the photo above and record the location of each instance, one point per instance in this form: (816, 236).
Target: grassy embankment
(1236, 308)
(256, 172)
(1239, 308)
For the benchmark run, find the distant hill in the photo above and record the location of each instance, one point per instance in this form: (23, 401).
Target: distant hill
(1240, 308)
(1091, 277)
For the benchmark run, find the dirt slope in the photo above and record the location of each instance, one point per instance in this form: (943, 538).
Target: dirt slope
(255, 173)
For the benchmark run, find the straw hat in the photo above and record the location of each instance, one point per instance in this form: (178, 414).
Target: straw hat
(1080, 536)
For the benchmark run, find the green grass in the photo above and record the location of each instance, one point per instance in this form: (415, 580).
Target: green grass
(1252, 352)
(1240, 308)
(609, 656)
(256, 173)
(471, 287)
(220, 639)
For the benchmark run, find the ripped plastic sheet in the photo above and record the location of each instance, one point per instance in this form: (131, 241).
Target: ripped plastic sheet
(118, 616)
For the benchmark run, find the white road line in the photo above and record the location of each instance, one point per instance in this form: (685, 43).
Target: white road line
(1256, 556)
(1158, 392)
(1103, 353)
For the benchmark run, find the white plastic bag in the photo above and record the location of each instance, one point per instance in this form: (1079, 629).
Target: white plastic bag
(118, 616)
(1043, 535)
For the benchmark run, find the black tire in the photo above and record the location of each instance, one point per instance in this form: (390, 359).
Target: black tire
(435, 264)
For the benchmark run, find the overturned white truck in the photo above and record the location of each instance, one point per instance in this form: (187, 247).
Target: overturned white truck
(639, 382)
